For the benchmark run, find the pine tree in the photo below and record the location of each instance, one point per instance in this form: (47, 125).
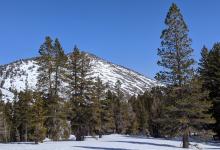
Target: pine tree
(3, 122)
(38, 118)
(23, 114)
(80, 92)
(60, 60)
(16, 119)
(140, 109)
(107, 115)
(117, 101)
(131, 117)
(129, 120)
(74, 92)
(191, 111)
(98, 96)
(133, 126)
(52, 63)
(9, 119)
(175, 52)
(156, 103)
(58, 118)
(175, 58)
(203, 64)
(46, 66)
(209, 74)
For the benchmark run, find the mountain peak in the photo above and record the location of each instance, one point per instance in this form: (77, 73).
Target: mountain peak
(14, 75)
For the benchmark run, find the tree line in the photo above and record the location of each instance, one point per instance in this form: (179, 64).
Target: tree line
(187, 104)
(84, 106)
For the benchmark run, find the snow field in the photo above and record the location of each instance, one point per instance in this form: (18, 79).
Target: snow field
(110, 142)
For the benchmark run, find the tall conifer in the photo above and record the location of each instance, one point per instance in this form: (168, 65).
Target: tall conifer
(177, 62)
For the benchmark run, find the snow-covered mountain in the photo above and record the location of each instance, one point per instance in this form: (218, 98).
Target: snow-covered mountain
(15, 75)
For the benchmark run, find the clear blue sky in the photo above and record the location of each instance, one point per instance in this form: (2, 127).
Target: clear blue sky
(126, 32)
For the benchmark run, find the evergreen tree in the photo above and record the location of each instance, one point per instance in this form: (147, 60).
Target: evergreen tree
(129, 121)
(24, 114)
(46, 66)
(9, 119)
(38, 118)
(3, 122)
(98, 96)
(133, 126)
(117, 101)
(107, 115)
(140, 109)
(60, 60)
(203, 64)
(156, 103)
(210, 73)
(80, 92)
(16, 119)
(52, 63)
(131, 117)
(175, 52)
(175, 58)
(190, 112)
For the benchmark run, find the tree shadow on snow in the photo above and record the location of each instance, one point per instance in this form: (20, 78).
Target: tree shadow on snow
(24, 143)
(213, 143)
(217, 145)
(146, 137)
(147, 143)
(102, 148)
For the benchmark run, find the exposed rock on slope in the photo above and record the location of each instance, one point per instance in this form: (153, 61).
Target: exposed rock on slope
(15, 75)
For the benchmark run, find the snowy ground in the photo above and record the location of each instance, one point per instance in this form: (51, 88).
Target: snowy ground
(110, 142)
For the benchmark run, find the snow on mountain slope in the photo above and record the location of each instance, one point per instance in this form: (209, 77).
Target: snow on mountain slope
(14, 76)
(7, 95)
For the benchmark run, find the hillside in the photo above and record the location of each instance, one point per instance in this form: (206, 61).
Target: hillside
(15, 75)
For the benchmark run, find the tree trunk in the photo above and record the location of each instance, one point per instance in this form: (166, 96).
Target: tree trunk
(36, 142)
(17, 136)
(100, 134)
(186, 139)
(26, 133)
(79, 134)
(5, 131)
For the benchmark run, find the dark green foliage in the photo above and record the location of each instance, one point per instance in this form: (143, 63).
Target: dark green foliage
(45, 62)
(175, 52)
(52, 63)
(203, 65)
(98, 96)
(60, 60)
(107, 116)
(80, 93)
(209, 71)
(185, 102)
(155, 110)
(141, 110)
(189, 112)
(117, 108)
(147, 108)
(4, 127)
(175, 58)
(131, 119)
(38, 118)
(23, 114)
(9, 120)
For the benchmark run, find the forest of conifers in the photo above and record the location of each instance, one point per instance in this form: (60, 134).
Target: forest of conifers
(187, 104)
